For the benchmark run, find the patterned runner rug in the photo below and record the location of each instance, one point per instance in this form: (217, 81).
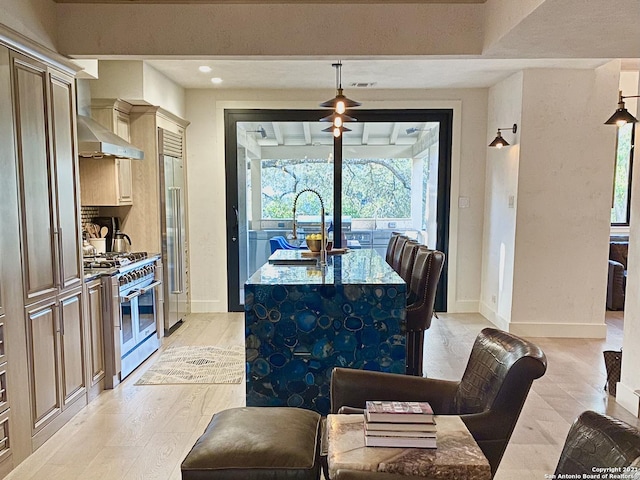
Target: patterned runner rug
(196, 364)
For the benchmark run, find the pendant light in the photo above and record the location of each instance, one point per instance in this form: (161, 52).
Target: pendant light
(499, 141)
(622, 116)
(339, 104)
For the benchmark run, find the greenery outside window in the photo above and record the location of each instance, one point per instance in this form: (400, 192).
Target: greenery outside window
(373, 187)
(621, 202)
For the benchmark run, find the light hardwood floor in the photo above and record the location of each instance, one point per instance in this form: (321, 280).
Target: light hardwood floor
(144, 432)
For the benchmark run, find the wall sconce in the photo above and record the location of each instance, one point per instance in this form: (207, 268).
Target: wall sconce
(622, 116)
(260, 130)
(414, 130)
(339, 104)
(500, 142)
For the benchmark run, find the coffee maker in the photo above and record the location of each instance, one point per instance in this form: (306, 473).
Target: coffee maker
(112, 224)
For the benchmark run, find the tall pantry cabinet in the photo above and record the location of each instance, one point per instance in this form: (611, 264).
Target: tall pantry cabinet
(41, 317)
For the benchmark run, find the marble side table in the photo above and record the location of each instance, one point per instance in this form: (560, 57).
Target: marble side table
(457, 457)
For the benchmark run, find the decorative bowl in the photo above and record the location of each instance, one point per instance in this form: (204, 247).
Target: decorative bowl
(314, 245)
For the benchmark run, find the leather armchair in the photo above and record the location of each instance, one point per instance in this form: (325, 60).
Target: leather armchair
(488, 398)
(599, 441)
(617, 275)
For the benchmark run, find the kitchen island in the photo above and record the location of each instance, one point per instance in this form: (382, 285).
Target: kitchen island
(303, 320)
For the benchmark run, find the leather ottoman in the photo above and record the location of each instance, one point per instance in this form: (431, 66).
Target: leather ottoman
(255, 443)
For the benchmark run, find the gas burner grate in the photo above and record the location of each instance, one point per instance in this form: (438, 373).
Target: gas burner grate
(113, 259)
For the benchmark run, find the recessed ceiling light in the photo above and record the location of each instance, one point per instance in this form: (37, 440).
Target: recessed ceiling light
(204, 68)
(216, 80)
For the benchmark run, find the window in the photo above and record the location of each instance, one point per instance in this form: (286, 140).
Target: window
(372, 187)
(620, 209)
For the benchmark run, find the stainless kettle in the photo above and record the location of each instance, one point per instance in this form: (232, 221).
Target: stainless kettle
(119, 244)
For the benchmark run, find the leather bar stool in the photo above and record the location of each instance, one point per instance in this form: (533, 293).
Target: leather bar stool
(423, 285)
(397, 252)
(390, 247)
(407, 260)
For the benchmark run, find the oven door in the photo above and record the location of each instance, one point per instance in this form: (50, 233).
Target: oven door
(128, 320)
(147, 313)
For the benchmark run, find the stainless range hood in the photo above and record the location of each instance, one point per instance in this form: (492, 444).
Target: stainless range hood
(95, 141)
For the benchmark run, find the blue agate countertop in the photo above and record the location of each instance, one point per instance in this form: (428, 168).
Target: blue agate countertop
(356, 267)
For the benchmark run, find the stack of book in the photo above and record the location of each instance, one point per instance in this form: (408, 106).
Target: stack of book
(399, 424)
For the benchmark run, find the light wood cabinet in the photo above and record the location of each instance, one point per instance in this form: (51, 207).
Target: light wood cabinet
(43, 369)
(44, 109)
(55, 331)
(95, 337)
(108, 181)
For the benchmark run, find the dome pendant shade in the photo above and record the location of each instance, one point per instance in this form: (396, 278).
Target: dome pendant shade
(340, 102)
(331, 129)
(331, 118)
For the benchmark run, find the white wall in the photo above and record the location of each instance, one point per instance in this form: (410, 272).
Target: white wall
(35, 19)
(205, 146)
(564, 201)
(505, 109)
(138, 83)
(630, 380)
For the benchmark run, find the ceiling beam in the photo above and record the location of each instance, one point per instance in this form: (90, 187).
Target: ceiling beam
(393, 136)
(277, 131)
(307, 132)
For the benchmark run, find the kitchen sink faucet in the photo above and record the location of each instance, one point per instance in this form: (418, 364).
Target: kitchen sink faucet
(323, 233)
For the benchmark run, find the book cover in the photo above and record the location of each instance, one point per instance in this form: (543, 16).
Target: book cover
(402, 412)
(400, 442)
(400, 427)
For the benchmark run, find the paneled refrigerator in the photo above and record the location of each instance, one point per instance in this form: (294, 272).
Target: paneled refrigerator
(174, 236)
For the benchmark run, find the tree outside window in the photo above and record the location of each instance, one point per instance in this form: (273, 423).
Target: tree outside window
(372, 188)
(622, 180)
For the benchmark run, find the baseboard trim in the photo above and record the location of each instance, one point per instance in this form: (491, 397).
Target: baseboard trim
(555, 330)
(627, 398)
(487, 312)
(207, 306)
(463, 306)
(559, 330)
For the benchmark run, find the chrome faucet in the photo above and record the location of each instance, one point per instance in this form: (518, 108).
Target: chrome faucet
(323, 233)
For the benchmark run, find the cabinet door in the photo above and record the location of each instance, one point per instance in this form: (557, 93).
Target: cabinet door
(35, 173)
(125, 178)
(43, 351)
(71, 328)
(65, 161)
(125, 181)
(94, 294)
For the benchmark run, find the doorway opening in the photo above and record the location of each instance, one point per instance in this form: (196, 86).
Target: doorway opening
(396, 176)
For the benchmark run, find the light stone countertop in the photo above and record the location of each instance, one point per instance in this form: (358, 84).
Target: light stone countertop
(457, 457)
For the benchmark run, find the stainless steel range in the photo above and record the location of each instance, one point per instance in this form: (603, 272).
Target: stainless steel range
(132, 328)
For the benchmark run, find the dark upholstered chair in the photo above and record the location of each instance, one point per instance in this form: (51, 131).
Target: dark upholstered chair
(617, 275)
(488, 398)
(422, 288)
(397, 252)
(391, 247)
(599, 441)
(407, 258)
